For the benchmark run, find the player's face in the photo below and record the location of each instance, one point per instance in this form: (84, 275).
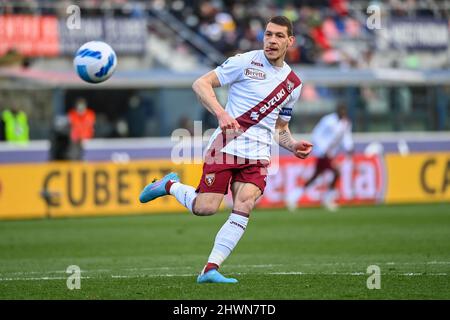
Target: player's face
(276, 42)
(342, 113)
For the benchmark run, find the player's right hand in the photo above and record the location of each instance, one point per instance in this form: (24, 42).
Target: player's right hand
(227, 123)
(302, 149)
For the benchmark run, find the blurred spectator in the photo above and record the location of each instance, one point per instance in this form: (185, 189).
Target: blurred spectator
(324, 29)
(120, 129)
(12, 58)
(187, 124)
(82, 121)
(136, 116)
(235, 26)
(340, 7)
(60, 139)
(14, 125)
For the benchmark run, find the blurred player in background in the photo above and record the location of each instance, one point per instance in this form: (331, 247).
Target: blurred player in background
(332, 134)
(263, 91)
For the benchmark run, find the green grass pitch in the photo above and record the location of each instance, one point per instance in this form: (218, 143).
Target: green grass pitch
(309, 254)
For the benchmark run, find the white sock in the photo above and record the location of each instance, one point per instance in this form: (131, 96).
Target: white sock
(292, 197)
(227, 238)
(329, 196)
(184, 193)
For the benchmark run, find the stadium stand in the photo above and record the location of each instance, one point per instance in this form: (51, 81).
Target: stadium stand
(388, 80)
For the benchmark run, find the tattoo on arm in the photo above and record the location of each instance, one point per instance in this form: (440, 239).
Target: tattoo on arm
(285, 140)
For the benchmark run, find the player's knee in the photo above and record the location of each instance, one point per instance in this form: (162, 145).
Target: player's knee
(245, 205)
(206, 209)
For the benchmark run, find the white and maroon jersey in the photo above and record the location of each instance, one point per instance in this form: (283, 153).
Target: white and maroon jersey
(259, 93)
(332, 134)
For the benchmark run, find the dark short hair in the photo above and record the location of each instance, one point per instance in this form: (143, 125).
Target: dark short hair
(282, 21)
(341, 108)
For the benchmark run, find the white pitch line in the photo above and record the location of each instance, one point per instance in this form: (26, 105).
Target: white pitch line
(354, 274)
(10, 276)
(256, 265)
(154, 275)
(438, 262)
(287, 273)
(52, 271)
(239, 274)
(38, 278)
(138, 269)
(155, 268)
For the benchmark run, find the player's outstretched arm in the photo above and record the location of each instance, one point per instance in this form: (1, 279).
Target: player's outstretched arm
(204, 89)
(301, 149)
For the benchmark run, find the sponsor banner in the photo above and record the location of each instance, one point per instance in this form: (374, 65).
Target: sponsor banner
(29, 35)
(78, 189)
(61, 189)
(362, 181)
(419, 34)
(124, 35)
(418, 178)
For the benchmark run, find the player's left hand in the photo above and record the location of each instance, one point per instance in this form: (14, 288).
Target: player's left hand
(302, 149)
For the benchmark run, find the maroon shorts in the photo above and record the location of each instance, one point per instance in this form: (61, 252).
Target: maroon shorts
(218, 175)
(323, 164)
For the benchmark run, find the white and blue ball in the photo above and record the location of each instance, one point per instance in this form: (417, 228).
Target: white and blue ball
(95, 61)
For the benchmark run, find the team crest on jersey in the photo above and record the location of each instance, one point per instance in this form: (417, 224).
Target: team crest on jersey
(210, 178)
(289, 85)
(255, 73)
(254, 115)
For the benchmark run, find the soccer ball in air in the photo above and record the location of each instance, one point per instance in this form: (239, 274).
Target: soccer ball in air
(95, 61)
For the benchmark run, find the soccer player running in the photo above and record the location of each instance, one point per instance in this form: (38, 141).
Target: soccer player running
(263, 91)
(330, 135)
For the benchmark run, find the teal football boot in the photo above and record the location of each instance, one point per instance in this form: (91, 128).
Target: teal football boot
(157, 188)
(214, 276)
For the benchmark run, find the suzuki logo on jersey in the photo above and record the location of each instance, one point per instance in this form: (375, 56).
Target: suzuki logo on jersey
(254, 115)
(255, 73)
(273, 101)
